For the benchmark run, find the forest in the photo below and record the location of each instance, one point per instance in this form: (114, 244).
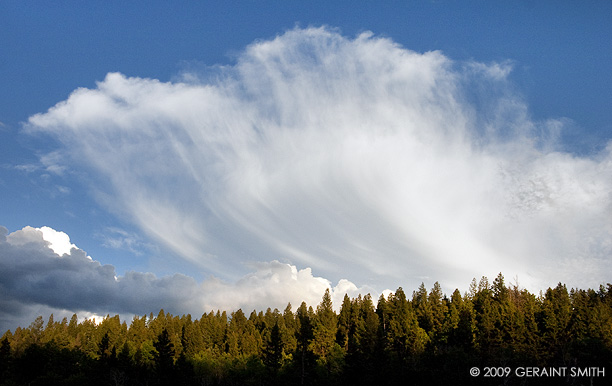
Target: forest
(423, 339)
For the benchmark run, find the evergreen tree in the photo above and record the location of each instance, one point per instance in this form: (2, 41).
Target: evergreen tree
(554, 320)
(124, 357)
(344, 322)
(361, 357)
(450, 323)
(422, 309)
(273, 350)
(191, 338)
(104, 348)
(523, 329)
(6, 358)
(86, 339)
(438, 307)
(330, 355)
(405, 339)
(464, 335)
(304, 359)
(72, 326)
(487, 314)
(289, 330)
(368, 339)
(504, 313)
(164, 357)
(243, 339)
(36, 330)
(49, 333)
(382, 310)
(325, 327)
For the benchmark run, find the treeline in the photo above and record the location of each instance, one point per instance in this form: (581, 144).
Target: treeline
(427, 339)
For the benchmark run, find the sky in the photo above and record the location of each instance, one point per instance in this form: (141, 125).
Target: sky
(196, 156)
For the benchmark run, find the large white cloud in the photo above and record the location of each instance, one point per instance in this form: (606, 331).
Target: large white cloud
(356, 157)
(36, 279)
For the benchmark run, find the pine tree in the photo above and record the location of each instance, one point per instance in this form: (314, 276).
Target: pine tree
(368, 339)
(289, 325)
(361, 356)
(191, 337)
(86, 339)
(72, 329)
(304, 358)
(164, 357)
(522, 325)
(243, 339)
(124, 357)
(554, 319)
(36, 330)
(405, 339)
(450, 323)
(504, 314)
(330, 355)
(422, 309)
(487, 314)
(6, 358)
(344, 322)
(438, 306)
(49, 333)
(104, 348)
(273, 350)
(325, 327)
(113, 328)
(464, 335)
(382, 310)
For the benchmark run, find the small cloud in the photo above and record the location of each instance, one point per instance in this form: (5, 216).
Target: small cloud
(53, 163)
(117, 238)
(27, 168)
(494, 70)
(63, 189)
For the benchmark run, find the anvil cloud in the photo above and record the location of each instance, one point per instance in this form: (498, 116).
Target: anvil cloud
(358, 158)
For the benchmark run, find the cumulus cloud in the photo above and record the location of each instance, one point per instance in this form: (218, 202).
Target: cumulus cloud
(356, 157)
(41, 272)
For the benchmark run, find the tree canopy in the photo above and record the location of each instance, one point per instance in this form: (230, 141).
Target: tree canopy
(428, 338)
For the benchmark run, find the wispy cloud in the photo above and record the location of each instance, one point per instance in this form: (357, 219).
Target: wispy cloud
(117, 238)
(356, 157)
(49, 163)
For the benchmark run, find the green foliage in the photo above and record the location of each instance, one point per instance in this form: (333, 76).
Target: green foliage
(272, 353)
(430, 339)
(164, 358)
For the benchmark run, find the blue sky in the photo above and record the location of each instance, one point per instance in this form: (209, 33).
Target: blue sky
(512, 108)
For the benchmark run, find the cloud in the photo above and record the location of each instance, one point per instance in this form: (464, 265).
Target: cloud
(274, 284)
(59, 242)
(41, 272)
(356, 157)
(49, 163)
(117, 238)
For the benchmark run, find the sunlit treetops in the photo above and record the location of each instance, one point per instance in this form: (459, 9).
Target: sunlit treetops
(395, 335)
